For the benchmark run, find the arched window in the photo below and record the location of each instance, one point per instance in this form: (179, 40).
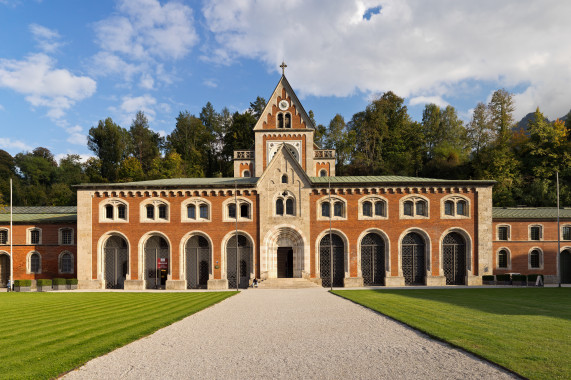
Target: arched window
(35, 263)
(408, 208)
(112, 210)
(462, 208)
(162, 211)
(323, 173)
(380, 208)
(414, 206)
(338, 209)
(150, 212)
(367, 208)
(280, 120)
(279, 206)
(288, 120)
(232, 210)
(449, 208)
(284, 178)
(245, 210)
(535, 259)
(66, 263)
(204, 214)
(325, 209)
(503, 259)
(289, 206)
(246, 174)
(109, 211)
(191, 211)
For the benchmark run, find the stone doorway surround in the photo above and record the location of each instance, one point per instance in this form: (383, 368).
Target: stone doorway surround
(285, 262)
(284, 236)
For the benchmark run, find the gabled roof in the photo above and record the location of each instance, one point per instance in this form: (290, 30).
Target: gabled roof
(289, 90)
(530, 213)
(296, 164)
(40, 214)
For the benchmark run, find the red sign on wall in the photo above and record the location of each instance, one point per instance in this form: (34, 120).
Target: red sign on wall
(162, 263)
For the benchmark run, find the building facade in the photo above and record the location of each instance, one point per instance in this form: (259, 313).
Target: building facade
(285, 214)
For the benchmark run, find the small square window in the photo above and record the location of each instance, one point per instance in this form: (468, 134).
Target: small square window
(35, 237)
(566, 233)
(503, 233)
(66, 236)
(535, 233)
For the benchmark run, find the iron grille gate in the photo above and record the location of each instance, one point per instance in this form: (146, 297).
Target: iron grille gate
(373, 260)
(152, 274)
(116, 267)
(454, 259)
(565, 266)
(244, 252)
(4, 270)
(197, 262)
(325, 262)
(413, 267)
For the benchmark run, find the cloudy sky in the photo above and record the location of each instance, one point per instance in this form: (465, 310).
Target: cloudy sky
(65, 64)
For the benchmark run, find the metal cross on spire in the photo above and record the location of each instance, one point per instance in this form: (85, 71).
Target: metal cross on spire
(283, 66)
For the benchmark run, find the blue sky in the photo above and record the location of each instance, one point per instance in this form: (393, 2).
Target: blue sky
(65, 65)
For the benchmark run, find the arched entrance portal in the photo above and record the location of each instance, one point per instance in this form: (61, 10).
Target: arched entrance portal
(373, 260)
(282, 255)
(116, 262)
(156, 262)
(565, 266)
(244, 261)
(454, 259)
(413, 265)
(4, 269)
(325, 250)
(197, 260)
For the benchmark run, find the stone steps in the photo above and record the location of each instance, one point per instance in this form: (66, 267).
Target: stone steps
(287, 283)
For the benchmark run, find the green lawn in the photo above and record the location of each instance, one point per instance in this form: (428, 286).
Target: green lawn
(43, 335)
(525, 330)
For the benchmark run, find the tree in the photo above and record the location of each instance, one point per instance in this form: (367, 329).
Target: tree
(190, 139)
(338, 137)
(239, 136)
(171, 166)
(480, 133)
(212, 121)
(257, 107)
(110, 144)
(501, 109)
(130, 170)
(145, 143)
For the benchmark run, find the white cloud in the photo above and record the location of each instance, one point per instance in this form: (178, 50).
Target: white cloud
(83, 157)
(47, 39)
(76, 135)
(44, 85)
(210, 83)
(412, 47)
(147, 28)
(130, 105)
(147, 82)
(7, 143)
(429, 100)
(1, 107)
(105, 63)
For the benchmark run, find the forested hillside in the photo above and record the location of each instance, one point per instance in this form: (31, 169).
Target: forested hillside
(380, 140)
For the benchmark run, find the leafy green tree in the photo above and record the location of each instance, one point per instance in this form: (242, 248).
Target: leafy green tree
(239, 136)
(7, 171)
(257, 107)
(145, 143)
(480, 133)
(191, 140)
(36, 168)
(213, 122)
(171, 166)
(340, 138)
(110, 144)
(130, 170)
(60, 194)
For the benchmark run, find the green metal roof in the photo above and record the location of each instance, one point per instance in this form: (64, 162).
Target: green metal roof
(393, 179)
(177, 182)
(39, 214)
(530, 213)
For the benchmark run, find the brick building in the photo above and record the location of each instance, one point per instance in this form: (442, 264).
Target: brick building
(43, 243)
(285, 214)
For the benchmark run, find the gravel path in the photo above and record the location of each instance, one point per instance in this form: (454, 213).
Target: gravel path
(305, 333)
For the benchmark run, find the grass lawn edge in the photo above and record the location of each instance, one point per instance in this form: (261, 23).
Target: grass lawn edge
(146, 335)
(432, 336)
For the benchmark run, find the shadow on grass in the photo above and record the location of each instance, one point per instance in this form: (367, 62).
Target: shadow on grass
(551, 302)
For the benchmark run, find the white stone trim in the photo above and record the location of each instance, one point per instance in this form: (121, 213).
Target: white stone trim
(427, 249)
(498, 231)
(541, 258)
(469, 243)
(29, 262)
(334, 198)
(373, 199)
(223, 245)
(141, 254)
(101, 243)
(387, 241)
(29, 235)
(455, 198)
(541, 231)
(509, 258)
(197, 201)
(60, 235)
(241, 200)
(59, 262)
(115, 202)
(346, 250)
(414, 198)
(156, 202)
(182, 253)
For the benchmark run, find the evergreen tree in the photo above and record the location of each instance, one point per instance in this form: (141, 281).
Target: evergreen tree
(110, 143)
(145, 144)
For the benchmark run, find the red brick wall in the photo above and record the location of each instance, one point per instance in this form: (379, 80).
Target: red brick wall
(175, 229)
(519, 246)
(321, 165)
(49, 251)
(393, 227)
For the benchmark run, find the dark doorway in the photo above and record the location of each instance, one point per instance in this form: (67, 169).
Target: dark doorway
(4, 270)
(454, 259)
(285, 262)
(565, 266)
(413, 267)
(337, 249)
(373, 260)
